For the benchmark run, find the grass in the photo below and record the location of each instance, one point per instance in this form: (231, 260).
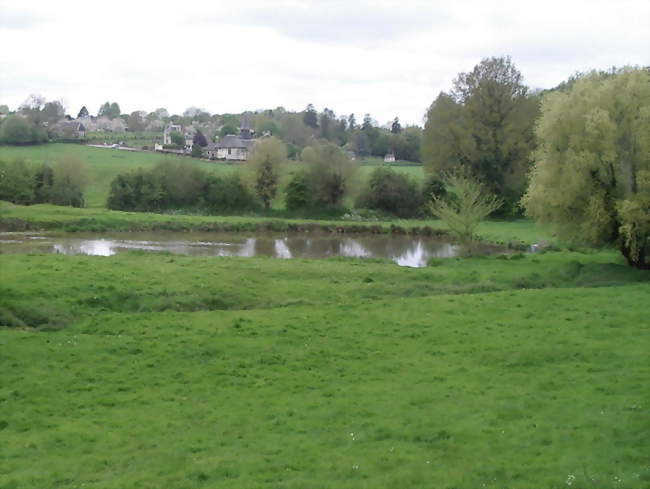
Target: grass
(105, 163)
(50, 217)
(154, 370)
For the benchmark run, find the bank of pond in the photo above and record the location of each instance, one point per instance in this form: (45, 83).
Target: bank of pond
(404, 250)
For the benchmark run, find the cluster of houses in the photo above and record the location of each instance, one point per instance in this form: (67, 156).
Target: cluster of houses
(230, 147)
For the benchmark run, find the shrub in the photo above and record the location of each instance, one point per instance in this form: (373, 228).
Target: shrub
(392, 192)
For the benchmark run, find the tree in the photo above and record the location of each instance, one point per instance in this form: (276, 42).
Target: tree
(83, 113)
(69, 181)
(484, 124)
(227, 129)
(17, 130)
(591, 176)
(329, 173)
(137, 121)
(327, 118)
(200, 139)
(110, 110)
(392, 192)
(352, 122)
(310, 117)
(362, 144)
(464, 205)
(265, 162)
(177, 139)
(396, 127)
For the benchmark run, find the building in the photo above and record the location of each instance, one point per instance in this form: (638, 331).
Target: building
(390, 157)
(70, 130)
(231, 147)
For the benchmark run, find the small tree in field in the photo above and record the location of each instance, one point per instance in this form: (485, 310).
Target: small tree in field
(267, 158)
(465, 205)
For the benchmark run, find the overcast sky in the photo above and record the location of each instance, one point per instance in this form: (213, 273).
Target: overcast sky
(388, 58)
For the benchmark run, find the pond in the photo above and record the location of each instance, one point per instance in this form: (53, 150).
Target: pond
(405, 250)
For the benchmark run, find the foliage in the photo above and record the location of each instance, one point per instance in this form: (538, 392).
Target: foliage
(329, 172)
(83, 112)
(391, 192)
(110, 110)
(485, 125)
(64, 184)
(69, 180)
(197, 151)
(466, 203)
(297, 192)
(265, 165)
(177, 139)
(310, 117)
(591, 179)
(178, 185)
(227, 130)
(200, 139)
(19, 130)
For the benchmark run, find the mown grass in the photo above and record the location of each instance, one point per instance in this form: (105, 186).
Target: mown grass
(105, 163)
(155, 370)
(49, 217)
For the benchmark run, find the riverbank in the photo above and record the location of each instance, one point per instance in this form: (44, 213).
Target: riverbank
(517, 234)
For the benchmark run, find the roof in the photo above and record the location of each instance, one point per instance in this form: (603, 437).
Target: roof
(74, 125)
(231, 141)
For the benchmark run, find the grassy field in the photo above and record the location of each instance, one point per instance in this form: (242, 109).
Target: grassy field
(105, 163)
(154, 370)
(51, 217)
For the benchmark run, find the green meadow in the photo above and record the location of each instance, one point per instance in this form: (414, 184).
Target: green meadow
(152, 370)
(155, 370)
(105, 163)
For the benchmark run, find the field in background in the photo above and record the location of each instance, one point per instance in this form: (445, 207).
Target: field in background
(180, 372)
(106, 163)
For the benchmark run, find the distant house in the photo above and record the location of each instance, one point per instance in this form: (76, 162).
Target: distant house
(390, 157)
(231, 147)
(70, 130)
(234, 148)
(351, 154)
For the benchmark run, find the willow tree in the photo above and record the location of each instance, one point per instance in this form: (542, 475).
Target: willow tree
(591, 175)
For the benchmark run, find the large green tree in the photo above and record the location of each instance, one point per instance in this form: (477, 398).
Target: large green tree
(591, 176)
(330, 173)
(485, 124)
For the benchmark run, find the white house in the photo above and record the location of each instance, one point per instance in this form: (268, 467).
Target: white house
(390, 157)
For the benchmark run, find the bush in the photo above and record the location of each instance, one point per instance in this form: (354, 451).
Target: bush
(18, 130)
(171, 185)
(392, 192)
(297, 192)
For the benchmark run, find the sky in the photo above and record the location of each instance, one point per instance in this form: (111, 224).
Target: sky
(386, 58)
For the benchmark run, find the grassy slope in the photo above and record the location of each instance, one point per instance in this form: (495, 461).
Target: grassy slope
(183, 372)
(70, 219)
(105, 164)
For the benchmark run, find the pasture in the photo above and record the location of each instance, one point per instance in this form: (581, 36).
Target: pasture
(155, 370)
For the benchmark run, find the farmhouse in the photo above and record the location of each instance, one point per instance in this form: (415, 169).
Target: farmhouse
(231, 147)
(390, 157)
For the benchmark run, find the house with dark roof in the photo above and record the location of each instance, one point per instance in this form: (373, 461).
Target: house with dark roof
(231, 147)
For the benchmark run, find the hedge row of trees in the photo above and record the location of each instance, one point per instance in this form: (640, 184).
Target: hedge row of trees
(62, 183)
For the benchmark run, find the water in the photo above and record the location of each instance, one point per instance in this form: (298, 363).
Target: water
(409, 251)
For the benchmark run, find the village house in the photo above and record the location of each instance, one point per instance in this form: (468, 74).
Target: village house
(390, 157)
(231, 147)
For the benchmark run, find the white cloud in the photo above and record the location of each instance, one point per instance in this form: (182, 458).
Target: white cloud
(386, 58)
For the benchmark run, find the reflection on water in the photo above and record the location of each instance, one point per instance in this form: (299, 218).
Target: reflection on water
(409, 251)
